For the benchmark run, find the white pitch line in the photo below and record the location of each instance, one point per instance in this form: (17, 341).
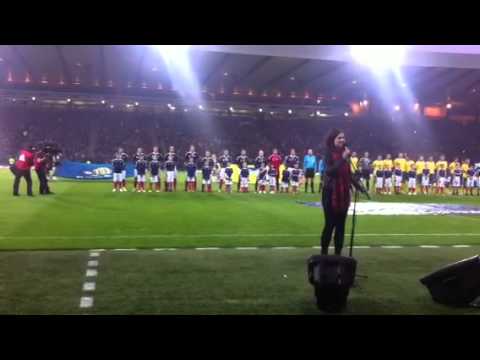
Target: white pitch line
(207, 248)
(429, 246)
(246, 248)
(92, 263)
(89, 286)
(283, 247)
(86, 301)
(362, 247)
(91, 273)
(124, 249)
(98, 250)
(392, 247)
(461, 246)
(94, 254)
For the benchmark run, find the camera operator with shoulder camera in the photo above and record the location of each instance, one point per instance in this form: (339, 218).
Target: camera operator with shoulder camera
(22, 169)
(41, 168)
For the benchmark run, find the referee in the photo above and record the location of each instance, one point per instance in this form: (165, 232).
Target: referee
(309, 166)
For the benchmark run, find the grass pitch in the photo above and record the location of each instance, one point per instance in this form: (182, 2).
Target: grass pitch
(87, 215)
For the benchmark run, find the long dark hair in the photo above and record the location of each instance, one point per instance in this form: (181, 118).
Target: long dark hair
(330, 139)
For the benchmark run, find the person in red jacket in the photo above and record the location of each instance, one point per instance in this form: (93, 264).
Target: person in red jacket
(22, 169)
(275, 160)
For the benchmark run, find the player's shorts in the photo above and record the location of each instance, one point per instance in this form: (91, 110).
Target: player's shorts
(310, 173)
(243, 182)
(154, 179)
(294, 183)
(117, 177)
(190, 179)
(412, 183)
(388, 182)
(284, 185)
(398, 181)
(456, 181)
(441, 182)
(425, 180)
(141, 178)
(170, 176)
(272, 181)
(207, 181)
(124, 175)
(476, 181)
(469, 183)
(228, 181)
(135, 173)
(379, 183)
(222, 174)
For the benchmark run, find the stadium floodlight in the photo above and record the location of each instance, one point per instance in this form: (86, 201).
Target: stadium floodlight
(231, 109)
(449, 106)
(260, 110)
(290, 111)
(69, 100)
(103, 102)
(345, 114)
(34, 98)
(365, 103)
(136, 103)
(416, 107)
(200, 107)
(397, 107)
(379, 57)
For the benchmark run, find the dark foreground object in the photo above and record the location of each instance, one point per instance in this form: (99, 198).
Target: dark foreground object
(332, 276)
(457, 284)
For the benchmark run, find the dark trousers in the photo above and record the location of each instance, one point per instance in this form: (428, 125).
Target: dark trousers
(42, 178)
(333, 222)
(309, 175)
(28, 178)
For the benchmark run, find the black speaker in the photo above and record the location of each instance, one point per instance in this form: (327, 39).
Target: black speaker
(456, 284)
(332, 276)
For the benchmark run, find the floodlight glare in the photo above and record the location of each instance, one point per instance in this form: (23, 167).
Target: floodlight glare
(379, 57)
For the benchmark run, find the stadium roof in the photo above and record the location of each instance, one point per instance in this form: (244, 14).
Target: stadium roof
(432, 73)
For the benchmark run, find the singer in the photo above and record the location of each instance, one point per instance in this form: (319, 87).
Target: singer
(336, 190)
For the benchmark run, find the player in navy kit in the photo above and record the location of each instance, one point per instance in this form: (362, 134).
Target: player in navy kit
(296, 174)
(191, 175)
(244, 178)
(154, 167)
(224, 162)
(191, 154)
(207, 168)
(285, 183)
(137, 157)
(291, 160)
(141, 167)
(118, 166)
(262, 179)
(240, 160)
(259, 162)
(174, 159)
(228, 179)
(398, 179)
(412, 180)
(272, 179)
(124, 157)
(170, 173)
(456, 180)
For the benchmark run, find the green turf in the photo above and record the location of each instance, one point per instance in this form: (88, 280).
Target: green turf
(85, 215)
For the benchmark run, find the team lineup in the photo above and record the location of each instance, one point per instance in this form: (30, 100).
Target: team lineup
(273, 174)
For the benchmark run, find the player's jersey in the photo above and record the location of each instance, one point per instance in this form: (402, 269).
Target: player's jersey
(262, 175)
(154, 167)
(141, 166)
(169, 165)
(206, 172)
(379, 173)
(387, 173)
(471, 172)
(431, 167)
(123, 155)
(224, 161)
(399, 162)
(118, 165)
(272, 172)
(458, 172)
(420, 165)
(397, 172)
(296, 175)
(285, 176)
(155, 156)
(354, 163)
(275, 160)
(452, 166)
(174, 157)
(377, 165)
(260, 161)
(229, 173)
(191, 155)
(408, 165)
(244, 173)
(137, 156)
(465, 168)
(426, 171)
(291, 160)
(387, 164)
(442, 173)
(241, 159)
(412, 174)
(207, 162)
(191, 170)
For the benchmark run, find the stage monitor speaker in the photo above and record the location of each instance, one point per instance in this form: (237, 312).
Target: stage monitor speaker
(332, 276)
(456, 284)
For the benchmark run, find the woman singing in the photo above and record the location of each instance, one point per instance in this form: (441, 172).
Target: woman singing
(336, 190)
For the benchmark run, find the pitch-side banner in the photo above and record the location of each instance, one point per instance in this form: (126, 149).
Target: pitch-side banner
(83, 171)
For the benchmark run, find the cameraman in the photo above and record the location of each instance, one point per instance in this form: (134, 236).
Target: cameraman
(22, 169)
(41, 168)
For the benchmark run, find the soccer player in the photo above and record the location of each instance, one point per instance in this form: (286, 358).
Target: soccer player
(191, 175)
(207, 164)
(296, 174)
(387, 173)
(420, 165)
(409, 163)
(441, 167)
(457, 180)
(141, 167)
(399, 163)
(117, 166)
(215, 169)
(365, 165)
(285, 181)
(154, 167)
(191, 154)
(354, 164)
(228, 179)
(241, 160)
(170, 165)
(465, 167)
(139, 154)
(452, 166)
(124, 157)
(476, 178)
(388, 163)
(171, 153)
(398, 179)
(430, 164)
(224, 161)
(470, 180)
(260, 162)
(425, 180)
(244, 177)
(412, 180)
(379, 174)
(309, 166)
(272, 179)
(262, 179)
(275, 160)
(291, 160)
